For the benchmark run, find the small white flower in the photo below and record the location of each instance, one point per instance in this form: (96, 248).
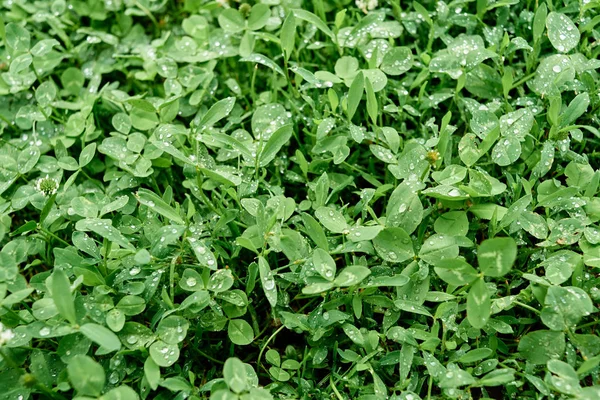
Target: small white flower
(366, 5)
(48, 186)
(6, 335)
(223, 3)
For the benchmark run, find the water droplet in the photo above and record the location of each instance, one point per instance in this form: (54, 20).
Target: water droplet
(191, 282)
(269, 284)
(114, 377)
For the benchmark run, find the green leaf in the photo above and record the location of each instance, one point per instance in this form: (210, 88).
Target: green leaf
(152, 373)
(456, 272)
(352, 275)
(454, 223)
(394, 245)
(231, 20)
(279, 138)
(315, 231)
(498, 377)
(372, 108)
(562, 32)
(438, 248)
(87, 154)
(61, 294)
(259, 16)
(27, 159)
(331, 219)
(72, 80)
(157, 204)
(104, 228)
(540, 346)
(217, 112)
(101, 335)
(576, 108)
(122, 392)
(220, 281)
(355, 94)
(121, 122)
(497, 256)
(539, 21)
(143, 115)
(203, 253)
(404, 209)
(516, 124)
(86, 375)
(43, 47)
(287, 35)
(397, 61)
(234, 373)
(115, 320)
(164, 354)
(131, 305)
(506, 151)
(45, 93)
(263, 60)
(240, 332)
(478, 304)
(422, 11)
(324, 264)
(17, 38)
(565, 307)
(314, 20)
(268, 281)
(475, 355)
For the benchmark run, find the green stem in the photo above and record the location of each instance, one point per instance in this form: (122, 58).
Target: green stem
(522, 80)
(172, 277)
(334, 388)
(587, 325)
(148, 13)
(208, 357)
(527, 307)
(14, 314)
(252, 81)
(10, 124)
(8, 359)
(47, 232)
(262, 350)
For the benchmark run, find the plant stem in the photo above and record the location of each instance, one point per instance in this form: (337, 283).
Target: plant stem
(265, 345)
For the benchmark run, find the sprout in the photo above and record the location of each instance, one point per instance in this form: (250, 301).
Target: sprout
(48, 186)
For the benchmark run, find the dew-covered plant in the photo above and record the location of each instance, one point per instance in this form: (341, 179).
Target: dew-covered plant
(288, 199)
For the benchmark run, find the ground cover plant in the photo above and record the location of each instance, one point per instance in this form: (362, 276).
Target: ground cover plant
(289, 199)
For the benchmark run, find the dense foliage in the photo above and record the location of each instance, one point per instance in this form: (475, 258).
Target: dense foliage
(299, 199)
